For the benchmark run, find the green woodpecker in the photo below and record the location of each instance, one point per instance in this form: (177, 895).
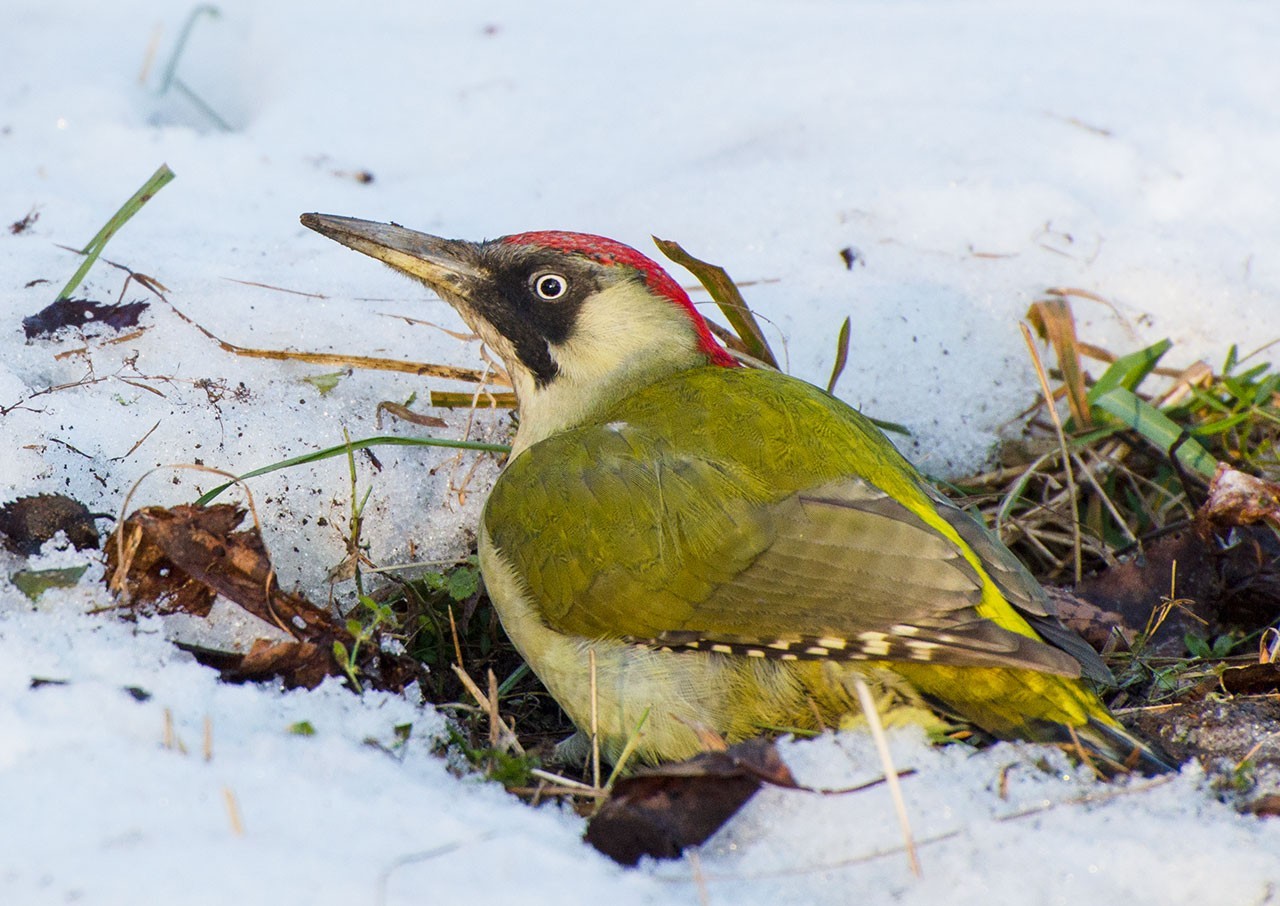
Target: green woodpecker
(733, 544)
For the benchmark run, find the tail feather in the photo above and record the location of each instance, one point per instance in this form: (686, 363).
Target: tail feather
(1111, 750)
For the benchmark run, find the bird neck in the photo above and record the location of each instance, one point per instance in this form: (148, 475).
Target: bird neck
(622, 341)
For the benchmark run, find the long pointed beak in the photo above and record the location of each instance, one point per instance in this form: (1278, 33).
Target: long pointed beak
(446, 265)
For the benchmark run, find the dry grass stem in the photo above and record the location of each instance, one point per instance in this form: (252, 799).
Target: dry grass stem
(338, 360)
(627, 751)
(699, 879)
(495, 735)
(233, 811)
(506, 737)
(457, 645)
(1062, 442)
(1105, 498)
(869, 708)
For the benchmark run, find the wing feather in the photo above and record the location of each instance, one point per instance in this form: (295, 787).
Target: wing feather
(626, 538)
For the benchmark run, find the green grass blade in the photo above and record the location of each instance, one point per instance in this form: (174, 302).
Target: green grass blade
(1129, 371)
(1157, 427)
(344, 448)
(842, 355)
(159, 179)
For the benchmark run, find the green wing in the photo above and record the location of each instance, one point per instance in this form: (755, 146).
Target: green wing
(701, 538)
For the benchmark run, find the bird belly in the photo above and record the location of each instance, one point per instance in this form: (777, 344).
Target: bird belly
(675, 704)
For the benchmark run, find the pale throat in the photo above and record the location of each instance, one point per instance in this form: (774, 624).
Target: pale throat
(623, 339)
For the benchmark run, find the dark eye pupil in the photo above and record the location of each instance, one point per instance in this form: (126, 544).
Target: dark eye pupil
(550, 287)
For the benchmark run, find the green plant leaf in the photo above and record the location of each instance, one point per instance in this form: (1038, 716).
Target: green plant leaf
(346, 448)
(93, 249)
(340, 655)
(1130, 370)
(462, 583)
(726, 295)
(1197, 646)
(842, 355)
(1158, 428)
(35, 582)
(325, 382)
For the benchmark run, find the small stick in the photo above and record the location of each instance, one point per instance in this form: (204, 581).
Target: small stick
(1106, 500)
(699, 879)
(168, 739)
(457, 646)
(233, 811)
(1062, 443)
(508, 737)
(493, 710)
(576, 785)
(890, 772)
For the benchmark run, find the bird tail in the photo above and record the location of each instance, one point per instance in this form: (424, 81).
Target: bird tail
(1110, 750)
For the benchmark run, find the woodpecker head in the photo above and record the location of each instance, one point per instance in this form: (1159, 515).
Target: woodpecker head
(579, 321)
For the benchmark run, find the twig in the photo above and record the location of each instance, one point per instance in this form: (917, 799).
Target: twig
(1106, 499)
(1062, 443)
(494, 733)
(507, 737)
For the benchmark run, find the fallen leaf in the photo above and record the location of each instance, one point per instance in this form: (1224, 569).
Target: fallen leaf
(1267, 806)
(150, 577)
(199, 543)
(1252, 679)
(304, 664)
(35, 582)
(324, 383)
(659, 811)
(1091, 622)
(181, 558)
(1236, 498)
(21, 226)
(28, 522)
(79, 312)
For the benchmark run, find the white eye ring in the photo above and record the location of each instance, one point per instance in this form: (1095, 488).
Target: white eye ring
(550, 286)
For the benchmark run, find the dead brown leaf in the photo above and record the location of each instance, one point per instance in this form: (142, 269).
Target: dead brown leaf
(1236, 499)
(1251, 679)
(1095, 625)
(659, 811)
(1267, 806)
(304, 664)
(28, 522)
(179, 559)
(168, 547)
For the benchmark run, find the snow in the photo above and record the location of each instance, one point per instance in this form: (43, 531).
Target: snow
(973, 154)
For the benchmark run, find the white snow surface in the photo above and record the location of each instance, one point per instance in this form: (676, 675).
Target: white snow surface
(973, 154)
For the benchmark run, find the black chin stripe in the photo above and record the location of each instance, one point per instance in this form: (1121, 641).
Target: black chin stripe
(535, 354)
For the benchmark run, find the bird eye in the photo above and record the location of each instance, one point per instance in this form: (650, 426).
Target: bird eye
(550, 286)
